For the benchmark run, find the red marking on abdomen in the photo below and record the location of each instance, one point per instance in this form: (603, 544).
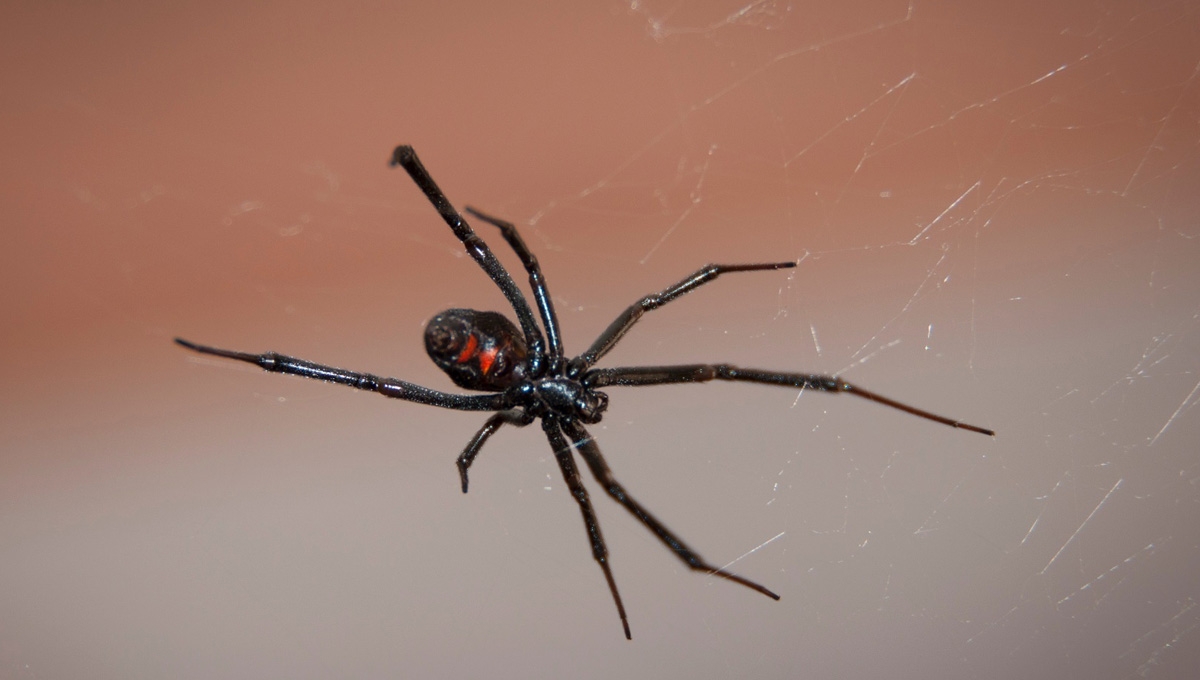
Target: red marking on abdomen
(469, 350)
(486, 358)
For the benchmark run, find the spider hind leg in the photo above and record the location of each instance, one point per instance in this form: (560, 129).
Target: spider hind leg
(566, 462)
(595, 461)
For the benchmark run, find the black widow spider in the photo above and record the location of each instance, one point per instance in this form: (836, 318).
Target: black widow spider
(529, 378)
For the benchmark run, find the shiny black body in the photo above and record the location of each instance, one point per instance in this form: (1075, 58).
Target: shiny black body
(526, 377)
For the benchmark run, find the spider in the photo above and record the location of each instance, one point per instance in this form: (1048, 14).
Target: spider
(527, 376)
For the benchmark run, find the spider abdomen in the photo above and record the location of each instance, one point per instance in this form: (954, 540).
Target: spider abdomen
(478, 350)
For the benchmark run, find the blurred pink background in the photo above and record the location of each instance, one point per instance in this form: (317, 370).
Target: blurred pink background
(994, 210)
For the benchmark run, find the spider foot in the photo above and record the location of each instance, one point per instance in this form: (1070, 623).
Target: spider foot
(462, 473)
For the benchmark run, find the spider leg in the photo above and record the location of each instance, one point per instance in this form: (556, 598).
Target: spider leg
(566, 463)
(388, 387)
(630, 316)
(688, 373)
(511, 417)
(591, 455)
(407, 158)
(536, 280)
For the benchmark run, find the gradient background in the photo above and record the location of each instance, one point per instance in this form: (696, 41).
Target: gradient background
(994, 206)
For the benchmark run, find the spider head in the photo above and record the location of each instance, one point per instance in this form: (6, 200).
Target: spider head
(591, 406)
(478, 350)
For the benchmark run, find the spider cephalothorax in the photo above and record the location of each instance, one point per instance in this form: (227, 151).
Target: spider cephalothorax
(527, 377)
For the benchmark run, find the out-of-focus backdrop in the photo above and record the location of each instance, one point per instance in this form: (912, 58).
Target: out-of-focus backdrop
(993, 206)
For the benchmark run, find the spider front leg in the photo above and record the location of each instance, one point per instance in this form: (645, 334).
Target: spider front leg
(689, 373)
(513, 417)
(536, 280)
(566, 463)
(621, 325)
(406, 157)
(595, 461)
(388, 387)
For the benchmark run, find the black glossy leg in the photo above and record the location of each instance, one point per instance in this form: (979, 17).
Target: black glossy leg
(630, 316)
(595, 461)
(388, 387)
(405, 157)
(688, 373)
(536, 280)
(566, 463)
(512, 417)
